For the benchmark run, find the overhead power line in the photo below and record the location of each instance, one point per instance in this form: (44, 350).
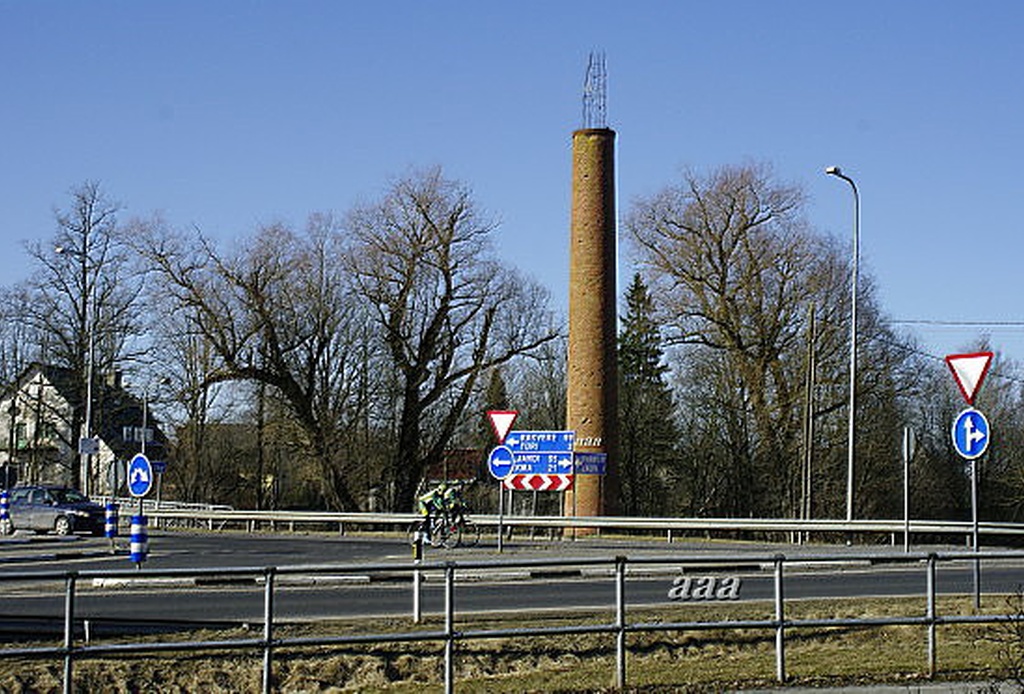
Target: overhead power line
(961, 324)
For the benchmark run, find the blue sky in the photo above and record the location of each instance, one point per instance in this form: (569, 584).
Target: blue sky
(227, 115)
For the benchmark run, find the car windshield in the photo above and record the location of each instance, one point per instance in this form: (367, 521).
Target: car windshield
(67, 496)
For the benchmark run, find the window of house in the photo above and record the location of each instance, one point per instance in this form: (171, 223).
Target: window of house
(47, 431)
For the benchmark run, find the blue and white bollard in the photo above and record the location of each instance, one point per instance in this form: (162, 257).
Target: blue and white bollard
(110, 523)
(5, 513)
(139, 540)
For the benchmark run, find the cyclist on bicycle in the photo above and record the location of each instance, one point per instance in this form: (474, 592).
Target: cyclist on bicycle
(454, 503)
(431, 505)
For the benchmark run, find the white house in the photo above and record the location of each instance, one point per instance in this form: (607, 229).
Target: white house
(39, 440)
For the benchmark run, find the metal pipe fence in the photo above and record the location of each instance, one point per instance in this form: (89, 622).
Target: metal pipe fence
(671, 528)
(73, 650)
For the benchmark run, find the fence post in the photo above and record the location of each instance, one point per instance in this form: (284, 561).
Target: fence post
(417, 576)
(780, 615)
(69, 631)
(449, 628)
(620, 622)
(931, 614)
(268, 629)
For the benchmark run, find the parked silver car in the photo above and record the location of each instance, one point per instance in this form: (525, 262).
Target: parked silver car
(45, 508)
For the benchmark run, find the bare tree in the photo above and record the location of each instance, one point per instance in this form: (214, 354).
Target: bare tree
(20, 344)
(730, 261)
(736, 272)
(734, 268)
(82, 296)
(278, 312)
(1003, 469)
(446, 309)
(188, 362)
(538, 387)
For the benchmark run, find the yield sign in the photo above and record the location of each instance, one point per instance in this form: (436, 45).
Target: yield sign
(501, 422)
(969, 371)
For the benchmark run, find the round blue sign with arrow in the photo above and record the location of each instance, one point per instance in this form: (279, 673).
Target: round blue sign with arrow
(970, 433)
(140, 476)
(500, 462)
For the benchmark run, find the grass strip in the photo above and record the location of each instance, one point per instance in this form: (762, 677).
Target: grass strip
(670, 660)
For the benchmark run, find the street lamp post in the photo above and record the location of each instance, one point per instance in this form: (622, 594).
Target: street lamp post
(145, 425)
(13, 411)
(145, 409)
(87, 454)
(837, 172)
(89, 297)
(145, 417)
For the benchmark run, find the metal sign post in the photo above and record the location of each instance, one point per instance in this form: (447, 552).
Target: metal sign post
(501, 516)
(909, 444)
(499, 462)
(974, 532)
(971, 434)
(970, 438)
(140, 482)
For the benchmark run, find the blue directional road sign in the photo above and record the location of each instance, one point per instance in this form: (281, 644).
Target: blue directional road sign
(970, 433)
(140, 476)
(591, 463)
(540, 441)
(541, 452)
(500, 462)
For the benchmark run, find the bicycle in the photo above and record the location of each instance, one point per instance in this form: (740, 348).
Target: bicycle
(446, 530)
(438, 530)
(469, 532)
(445, 523)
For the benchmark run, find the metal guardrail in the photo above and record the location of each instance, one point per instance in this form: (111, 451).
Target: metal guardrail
(619, 568)
(252, 520)
(166, 505)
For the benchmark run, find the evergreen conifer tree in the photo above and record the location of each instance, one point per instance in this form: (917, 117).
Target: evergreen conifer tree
(646, 410)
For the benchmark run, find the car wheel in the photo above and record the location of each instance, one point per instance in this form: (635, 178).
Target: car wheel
(62, 526)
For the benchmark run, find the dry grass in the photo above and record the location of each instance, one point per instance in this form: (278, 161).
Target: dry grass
(658, 661)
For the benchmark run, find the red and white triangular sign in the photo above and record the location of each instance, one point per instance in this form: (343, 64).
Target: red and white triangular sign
(501, 422)
(969, 371)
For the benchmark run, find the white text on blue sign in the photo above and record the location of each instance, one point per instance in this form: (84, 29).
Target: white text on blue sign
(591, 463)
(540, 441)
(541, 463)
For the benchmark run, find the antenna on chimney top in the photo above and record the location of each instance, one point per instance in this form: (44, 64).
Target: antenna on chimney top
(595, 93)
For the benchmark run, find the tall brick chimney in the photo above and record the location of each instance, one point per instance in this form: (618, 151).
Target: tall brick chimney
(592, 397)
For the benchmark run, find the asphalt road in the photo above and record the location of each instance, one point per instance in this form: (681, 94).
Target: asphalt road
(172, 550)
(147, 599)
